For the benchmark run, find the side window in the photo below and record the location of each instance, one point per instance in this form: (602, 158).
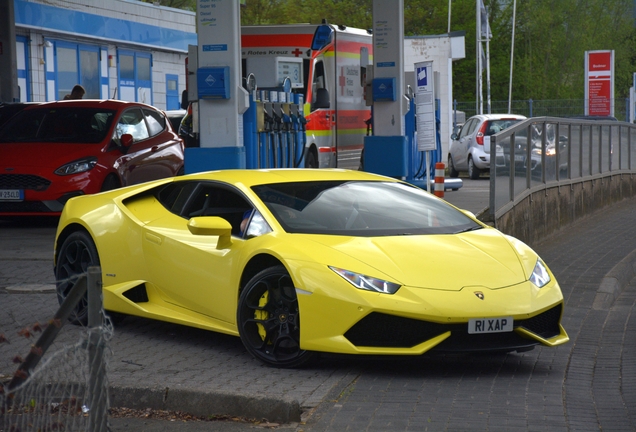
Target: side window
(319, 93)
(468, 128)
(156, 122)
(174, 196)
(215, 200)
(132, 122)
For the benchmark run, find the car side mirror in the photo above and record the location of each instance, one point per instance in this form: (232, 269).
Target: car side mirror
(212, 226)
(454, 136)
(126, 141)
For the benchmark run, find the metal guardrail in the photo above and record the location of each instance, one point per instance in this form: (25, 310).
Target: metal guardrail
(545, 152)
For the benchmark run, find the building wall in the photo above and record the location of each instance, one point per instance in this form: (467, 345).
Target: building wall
(107, 26)
(442, 50)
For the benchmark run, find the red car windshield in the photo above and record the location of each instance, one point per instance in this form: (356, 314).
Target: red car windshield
(55, 125)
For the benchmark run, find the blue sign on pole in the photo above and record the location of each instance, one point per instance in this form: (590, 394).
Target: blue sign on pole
(422, 77)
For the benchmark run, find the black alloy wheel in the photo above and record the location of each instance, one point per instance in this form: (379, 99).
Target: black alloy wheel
(269, 321)
(77, 254)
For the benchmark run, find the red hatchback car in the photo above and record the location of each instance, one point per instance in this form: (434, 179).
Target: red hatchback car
(54, 151)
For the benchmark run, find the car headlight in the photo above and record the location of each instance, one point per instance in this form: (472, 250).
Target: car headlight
(540, 276)
(367, 283)
(76, 167)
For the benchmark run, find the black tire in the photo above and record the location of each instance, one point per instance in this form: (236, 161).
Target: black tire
(310, 160)
(473, 171)
(268, 319)
(77, 254)
(110, 183)
(451, 168)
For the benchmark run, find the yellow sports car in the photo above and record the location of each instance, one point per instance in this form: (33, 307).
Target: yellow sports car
(300, 261)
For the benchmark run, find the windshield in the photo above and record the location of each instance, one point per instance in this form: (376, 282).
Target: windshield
(367, 209)
(68, 125)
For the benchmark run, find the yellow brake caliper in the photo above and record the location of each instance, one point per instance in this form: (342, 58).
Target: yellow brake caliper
(262, 315)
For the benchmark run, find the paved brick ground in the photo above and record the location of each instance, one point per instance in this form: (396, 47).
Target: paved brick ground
(588, 384)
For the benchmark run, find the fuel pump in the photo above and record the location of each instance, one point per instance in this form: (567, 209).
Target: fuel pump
(278, 124)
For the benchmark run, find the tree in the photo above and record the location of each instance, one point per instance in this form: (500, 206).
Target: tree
(551, 37)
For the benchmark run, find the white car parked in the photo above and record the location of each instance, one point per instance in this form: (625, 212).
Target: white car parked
(469, 151)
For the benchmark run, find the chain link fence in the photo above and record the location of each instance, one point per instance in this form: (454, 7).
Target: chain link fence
(65, 390)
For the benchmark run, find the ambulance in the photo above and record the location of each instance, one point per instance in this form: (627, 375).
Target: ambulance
(327, 64)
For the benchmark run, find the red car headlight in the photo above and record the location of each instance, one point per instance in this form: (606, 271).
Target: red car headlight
(76, 167)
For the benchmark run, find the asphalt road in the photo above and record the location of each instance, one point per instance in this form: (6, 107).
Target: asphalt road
(587, 384)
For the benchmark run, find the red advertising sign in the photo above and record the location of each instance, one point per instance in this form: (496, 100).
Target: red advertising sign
(599, 83)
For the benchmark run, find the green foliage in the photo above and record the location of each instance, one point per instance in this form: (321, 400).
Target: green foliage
(551, 37)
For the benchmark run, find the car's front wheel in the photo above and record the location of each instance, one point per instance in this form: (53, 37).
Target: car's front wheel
(269, 320)
(311, 161)
(451, 168)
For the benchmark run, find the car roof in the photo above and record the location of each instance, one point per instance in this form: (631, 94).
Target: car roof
(101, 103)
(253, 177)
(176, 113)
(499, 116)
(8, 110)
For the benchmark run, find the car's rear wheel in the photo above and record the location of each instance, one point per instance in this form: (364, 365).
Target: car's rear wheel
(77, 254)
(269, 320)
(473, 171)
(451, 168)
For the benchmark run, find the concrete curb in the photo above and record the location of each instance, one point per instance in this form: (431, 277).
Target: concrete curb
(206, 404)
(615, 282)
(30, 288)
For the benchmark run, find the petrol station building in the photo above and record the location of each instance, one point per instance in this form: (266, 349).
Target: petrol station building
(119, 49)
(136, 51)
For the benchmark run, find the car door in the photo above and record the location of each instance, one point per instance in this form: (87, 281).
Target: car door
(197, 272)
(155, 152)
(462, 144)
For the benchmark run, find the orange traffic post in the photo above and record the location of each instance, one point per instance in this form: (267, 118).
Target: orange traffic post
(439, 179)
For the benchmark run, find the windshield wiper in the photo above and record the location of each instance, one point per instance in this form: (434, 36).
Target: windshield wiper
(473, 228)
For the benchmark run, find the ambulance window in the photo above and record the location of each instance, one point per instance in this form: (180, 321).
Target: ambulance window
(319, 76)
(319, 93)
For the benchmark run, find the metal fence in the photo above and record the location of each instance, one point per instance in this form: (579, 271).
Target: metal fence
(546, 152)
(66, 390)
(543, 108)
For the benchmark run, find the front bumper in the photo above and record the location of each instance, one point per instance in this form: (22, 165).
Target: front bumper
(416, 320)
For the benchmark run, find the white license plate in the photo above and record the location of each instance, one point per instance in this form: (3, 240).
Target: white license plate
(490, 325)
(11, 195)
(519, 158)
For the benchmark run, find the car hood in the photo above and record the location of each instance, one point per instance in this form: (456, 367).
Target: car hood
(483, 258)
(52, 155)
